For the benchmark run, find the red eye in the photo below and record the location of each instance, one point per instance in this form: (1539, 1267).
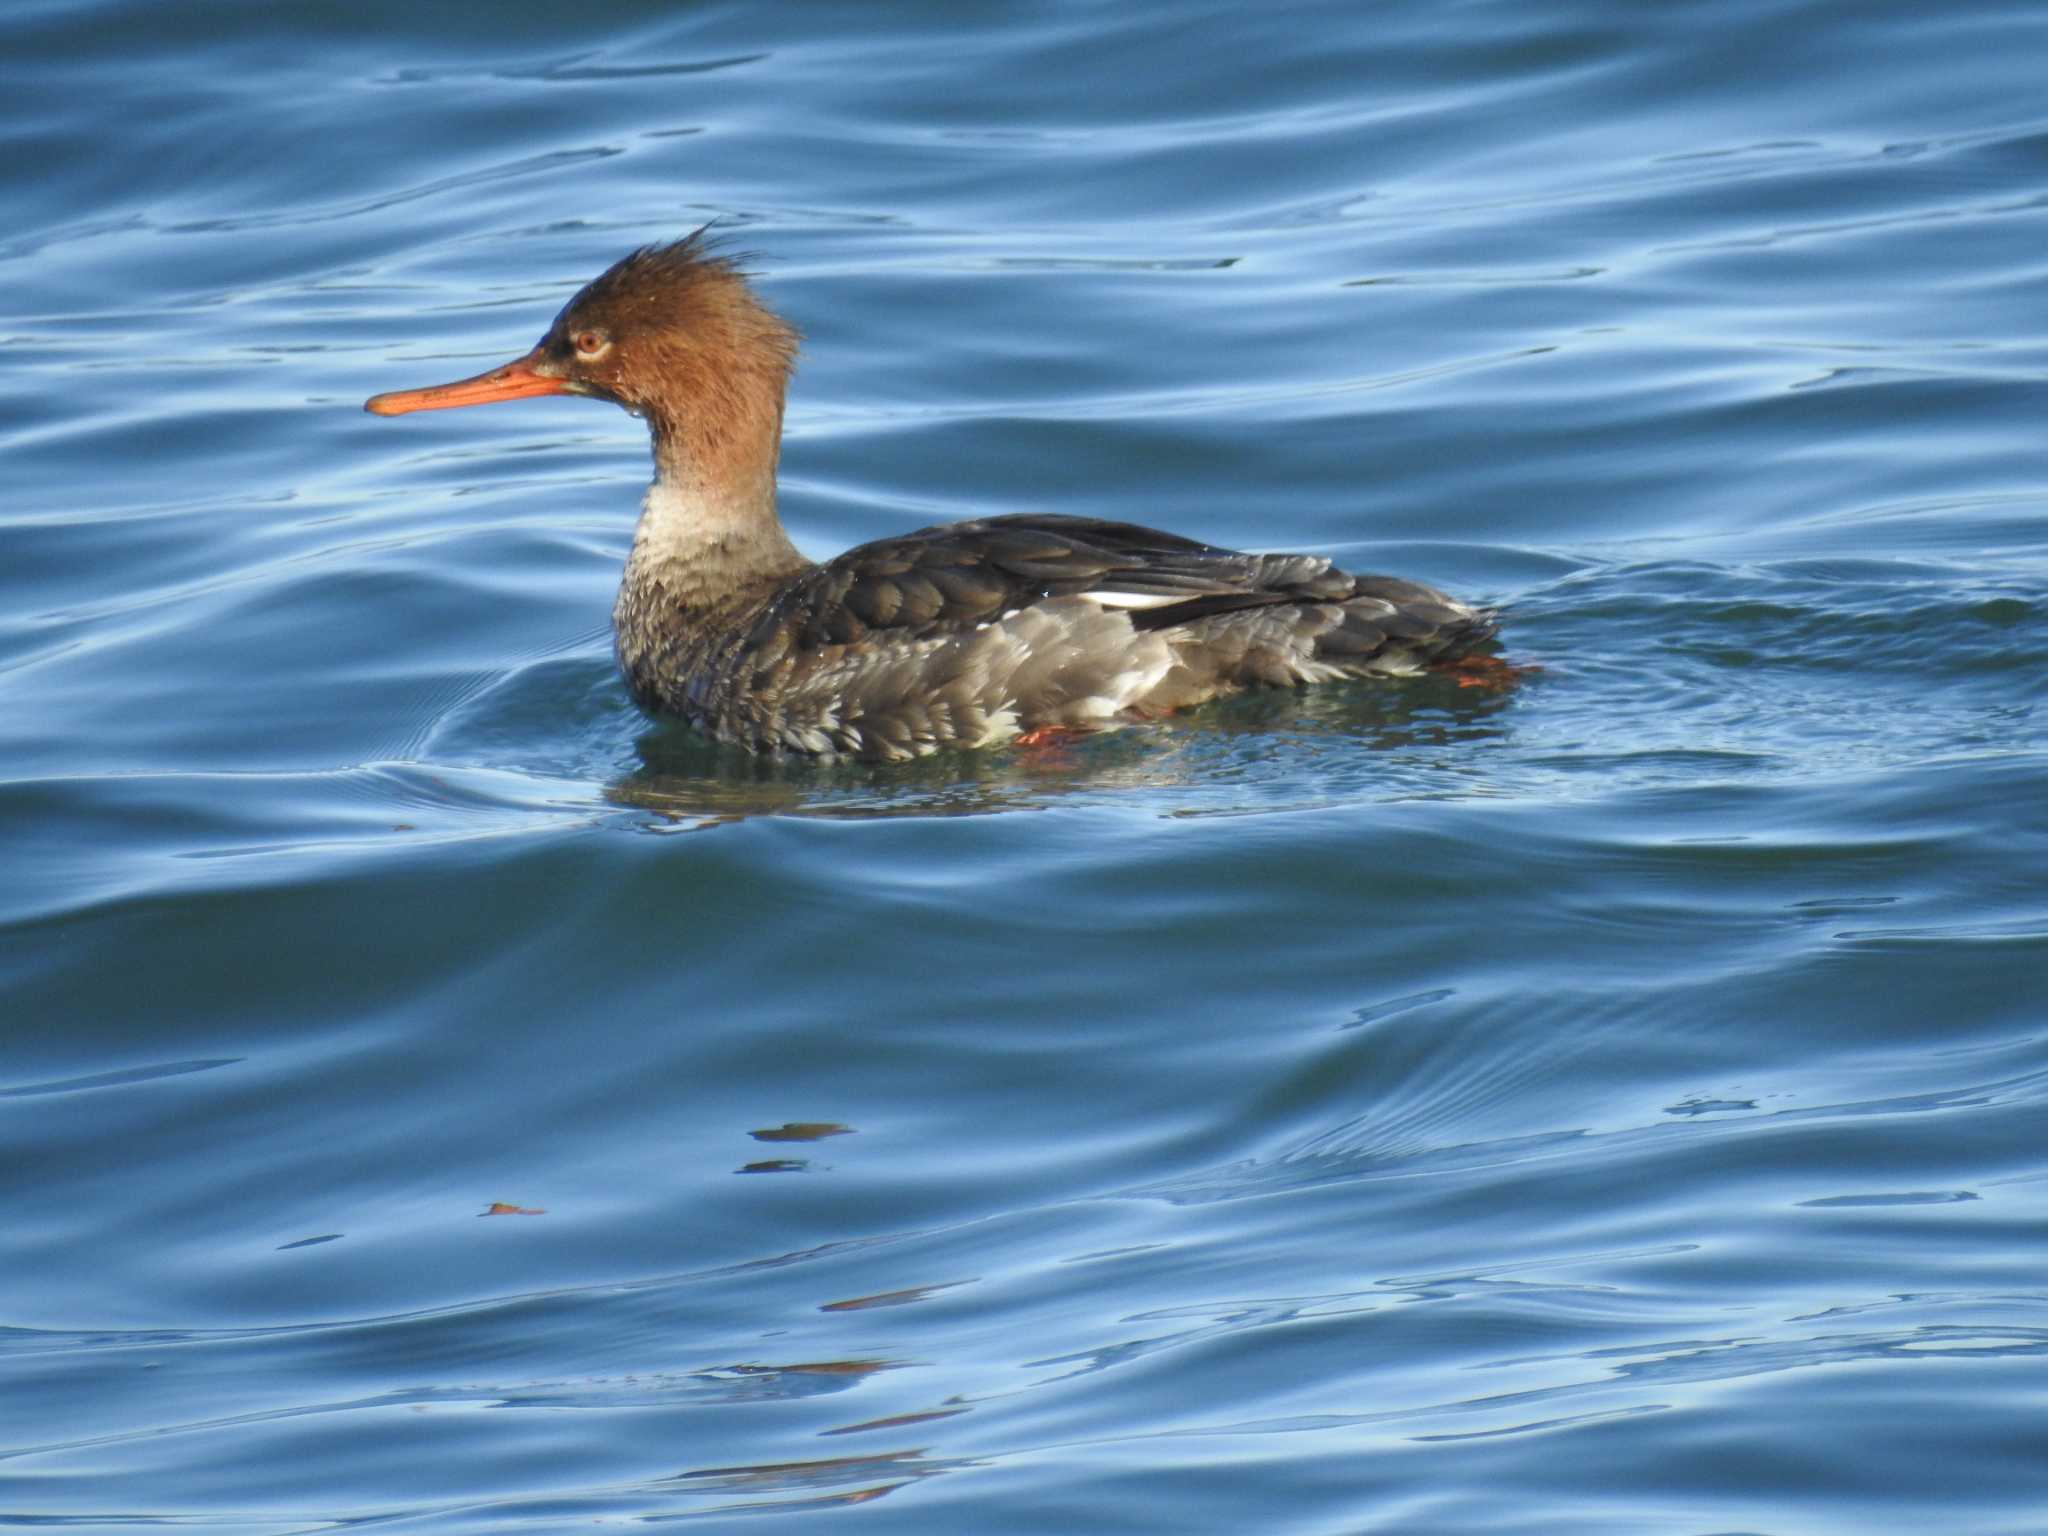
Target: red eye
(589, 341)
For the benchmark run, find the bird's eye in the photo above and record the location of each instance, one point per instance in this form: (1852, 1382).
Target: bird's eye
(590, 343)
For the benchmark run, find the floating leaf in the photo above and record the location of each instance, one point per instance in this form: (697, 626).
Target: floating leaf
(802, 1130)
(890, 1298)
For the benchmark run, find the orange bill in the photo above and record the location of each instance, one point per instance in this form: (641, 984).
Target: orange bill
(511, 381)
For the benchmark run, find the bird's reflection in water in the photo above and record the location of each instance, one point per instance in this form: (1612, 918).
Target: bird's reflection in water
(1289, 742)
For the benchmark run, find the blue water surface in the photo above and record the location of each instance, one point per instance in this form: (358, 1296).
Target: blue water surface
(436, 1097)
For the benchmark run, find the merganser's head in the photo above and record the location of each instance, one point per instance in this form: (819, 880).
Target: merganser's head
(671, 332)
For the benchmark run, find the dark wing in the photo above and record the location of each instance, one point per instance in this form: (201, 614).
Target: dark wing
(950, 579)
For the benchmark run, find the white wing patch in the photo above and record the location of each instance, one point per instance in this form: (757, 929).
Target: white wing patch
(1104, 598)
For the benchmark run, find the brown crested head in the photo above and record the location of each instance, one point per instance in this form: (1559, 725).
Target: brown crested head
(671, 332)
(667, 324)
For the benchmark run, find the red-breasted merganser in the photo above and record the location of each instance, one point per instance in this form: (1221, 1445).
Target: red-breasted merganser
(966, 635)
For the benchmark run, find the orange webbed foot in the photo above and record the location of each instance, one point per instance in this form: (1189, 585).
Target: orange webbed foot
(1049, 736)
(1484, 671)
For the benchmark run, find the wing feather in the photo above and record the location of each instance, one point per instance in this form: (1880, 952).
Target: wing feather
(960, 577)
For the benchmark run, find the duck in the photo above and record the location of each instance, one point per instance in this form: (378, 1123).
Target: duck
(999, 630)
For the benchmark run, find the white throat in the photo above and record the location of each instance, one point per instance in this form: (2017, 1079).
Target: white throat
(699, 546)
